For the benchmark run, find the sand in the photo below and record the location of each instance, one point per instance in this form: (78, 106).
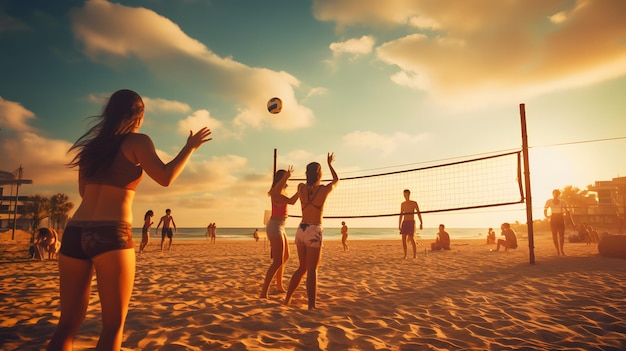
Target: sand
(201, 296)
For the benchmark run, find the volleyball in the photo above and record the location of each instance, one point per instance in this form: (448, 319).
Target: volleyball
(274, 105)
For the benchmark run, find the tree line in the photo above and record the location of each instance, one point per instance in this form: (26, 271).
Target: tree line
(55, 208)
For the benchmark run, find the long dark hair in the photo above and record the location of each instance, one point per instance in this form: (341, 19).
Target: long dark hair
(277, 177)
(148, 214)
(312, 173)
(97, 148)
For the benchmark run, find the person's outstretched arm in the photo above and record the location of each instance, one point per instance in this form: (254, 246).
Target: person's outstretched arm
(278, 188)
(330, 159)
(145, 154)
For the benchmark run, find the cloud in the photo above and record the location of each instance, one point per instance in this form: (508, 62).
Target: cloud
(172, 55)
(227, 178)
(347, 13)
(217, 188)
(212, 175)
(486, 52)
(298, 157)
(197, 120)
(151, 104)
(558, 17)
(368, 142)
(13, 116)
(163, 105)
(42, 159)
(317, 91)
(356, 47)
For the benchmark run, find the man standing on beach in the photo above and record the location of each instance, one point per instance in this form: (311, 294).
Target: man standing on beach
(407, 221)
(167, 229)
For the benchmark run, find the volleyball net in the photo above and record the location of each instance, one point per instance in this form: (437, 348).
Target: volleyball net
(488, 181)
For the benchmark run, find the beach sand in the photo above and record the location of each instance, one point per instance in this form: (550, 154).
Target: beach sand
(201, 296)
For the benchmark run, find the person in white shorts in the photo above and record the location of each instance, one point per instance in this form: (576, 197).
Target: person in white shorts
(312, 197)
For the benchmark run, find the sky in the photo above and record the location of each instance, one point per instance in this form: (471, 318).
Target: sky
(382, 84)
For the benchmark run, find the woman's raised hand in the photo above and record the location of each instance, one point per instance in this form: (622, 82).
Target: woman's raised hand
(194, 141)
(331, 157)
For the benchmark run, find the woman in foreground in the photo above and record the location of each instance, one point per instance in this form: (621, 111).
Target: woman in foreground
(309, 233)
(276, 229)
(111, 158)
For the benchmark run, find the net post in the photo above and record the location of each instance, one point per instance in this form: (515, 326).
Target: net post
(275, 156)
(529, 202)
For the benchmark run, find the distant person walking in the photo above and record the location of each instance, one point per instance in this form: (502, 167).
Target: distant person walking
(168, 223)
(344, 235)
(309, 233)
(406, 224)
(212, 232)
(145, 230)
(558, 210)
(275, 229)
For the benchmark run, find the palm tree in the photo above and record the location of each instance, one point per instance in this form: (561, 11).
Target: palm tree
(576, 198)
(579, 201)
(59, 209)
(36, 209)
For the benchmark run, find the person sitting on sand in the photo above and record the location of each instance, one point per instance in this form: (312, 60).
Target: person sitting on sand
(582, 235)
(593, 234)
(491, 236)
(442, 241)
(510, 240)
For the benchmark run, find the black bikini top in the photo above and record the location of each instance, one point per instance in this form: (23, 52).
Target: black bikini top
(311, 196)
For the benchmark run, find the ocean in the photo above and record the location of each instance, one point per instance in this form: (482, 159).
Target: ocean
(329, 233)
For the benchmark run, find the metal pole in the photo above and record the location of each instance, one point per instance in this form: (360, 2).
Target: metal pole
(17, 191)
(275, 156)
(529, 201)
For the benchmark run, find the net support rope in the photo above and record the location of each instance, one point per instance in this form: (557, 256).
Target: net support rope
(469, 184)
